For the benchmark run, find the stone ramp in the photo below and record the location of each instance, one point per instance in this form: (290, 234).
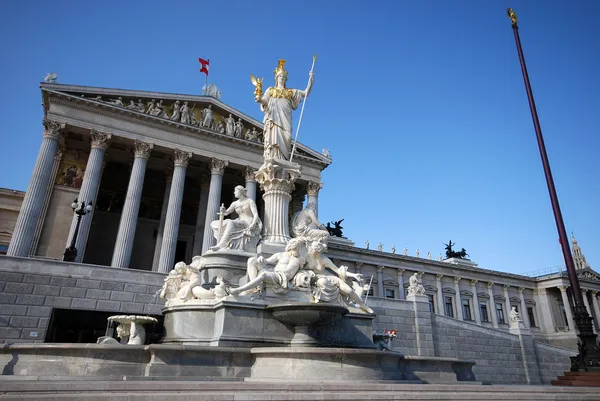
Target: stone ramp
(272, 391)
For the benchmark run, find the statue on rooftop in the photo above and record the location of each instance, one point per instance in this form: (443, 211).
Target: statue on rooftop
(230, 125)
(277, 103)
(239, 127)
(207, 117)
(185, 113)
(450, 253)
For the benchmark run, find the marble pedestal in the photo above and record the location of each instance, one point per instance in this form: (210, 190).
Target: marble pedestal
(241, 322)
(229, 264)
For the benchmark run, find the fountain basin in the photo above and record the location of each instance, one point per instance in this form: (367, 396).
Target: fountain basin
(302, 316)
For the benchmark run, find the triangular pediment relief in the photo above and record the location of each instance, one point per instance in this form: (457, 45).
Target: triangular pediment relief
(589, 275)
(190, 112)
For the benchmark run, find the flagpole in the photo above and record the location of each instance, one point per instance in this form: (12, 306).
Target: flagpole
(206, 76)
(583, 321)
(302, 112)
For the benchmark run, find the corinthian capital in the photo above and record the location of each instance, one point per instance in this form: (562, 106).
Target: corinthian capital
(142, 149)
(100, 139)
(312, 189)
(250, 173)
(181, 158)
(52, 129)
(218, 166)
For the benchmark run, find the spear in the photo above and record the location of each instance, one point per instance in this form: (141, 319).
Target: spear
(302, 112)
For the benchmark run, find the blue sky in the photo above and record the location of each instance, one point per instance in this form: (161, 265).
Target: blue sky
(421, 104)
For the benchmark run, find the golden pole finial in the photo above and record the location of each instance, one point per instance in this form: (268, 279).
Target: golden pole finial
(513, 16)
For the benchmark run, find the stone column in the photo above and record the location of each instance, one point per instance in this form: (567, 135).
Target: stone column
(440, 294)
(380, 291)
(596, 308)
(277, 183)
(251, 183)
(312, 190)
(505, 287)
(567, 305)
(217, 169)
(201, 217)
(544, 313)
(458, 300)
(492, 306)
(400, 273)
(33, 202)
(587, 306)
(40, 223)
(163, 216)
(171, 233)
(129, 215)
(476, 311)
(89, 190)
(524, 314)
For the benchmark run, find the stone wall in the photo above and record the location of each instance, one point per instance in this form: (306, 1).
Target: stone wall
(500, 357)
(31, 288)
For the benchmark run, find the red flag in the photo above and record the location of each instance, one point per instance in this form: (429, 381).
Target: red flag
(205, 64)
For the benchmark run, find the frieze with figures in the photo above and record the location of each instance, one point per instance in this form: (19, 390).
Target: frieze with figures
(188, 114)
(588, 276)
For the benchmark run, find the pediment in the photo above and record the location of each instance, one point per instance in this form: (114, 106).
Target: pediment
(589, 275)
(483, 295)
(135, 104)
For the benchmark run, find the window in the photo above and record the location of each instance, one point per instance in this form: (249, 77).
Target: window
(448, 306)
(466, 307)
(531, 316)
(389, 293)
(3, 249)
(431, 303)
(484, 312)
(500, 313)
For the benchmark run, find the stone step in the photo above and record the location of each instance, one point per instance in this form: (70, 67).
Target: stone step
(578, 379)
(250, 391)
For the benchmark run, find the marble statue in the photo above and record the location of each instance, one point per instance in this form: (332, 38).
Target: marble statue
(393, 249)
(150, 107)
(50, 78)
(211, 90)
(414, 285)
(219, 127)
(182, 285)
(242, 233)
(440, 257)
(207, 116)
(367, 244)
(417, 253)
(305, 224)
(429, 255)
(117, 102)
(252, 135)
(230, 125)
(159, 110)
(287, 264)
(277, 103)
(405, 251)
(132, 106)
(176, 111)
(380, 247)
(326, 153)
(185, 113)
(239, 127)
(514, 317)
(140, 106)
(327, 286)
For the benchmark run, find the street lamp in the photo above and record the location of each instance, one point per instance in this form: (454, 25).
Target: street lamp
(80, 210)
(589, 353)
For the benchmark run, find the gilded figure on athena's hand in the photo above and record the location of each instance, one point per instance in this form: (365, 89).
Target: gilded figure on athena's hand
(277, 103)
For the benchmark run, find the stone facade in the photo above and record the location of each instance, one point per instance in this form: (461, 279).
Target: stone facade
(156, 183)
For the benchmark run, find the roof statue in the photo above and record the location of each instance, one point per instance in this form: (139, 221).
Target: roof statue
(336, 230)
(450, 253)
(50, 78)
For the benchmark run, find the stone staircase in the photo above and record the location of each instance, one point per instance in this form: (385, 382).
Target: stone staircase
(578, 379)
(177, 390)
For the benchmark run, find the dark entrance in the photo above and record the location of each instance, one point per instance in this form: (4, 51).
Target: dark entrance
(82, 326)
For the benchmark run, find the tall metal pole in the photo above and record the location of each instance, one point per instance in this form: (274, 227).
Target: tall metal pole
(588, 349)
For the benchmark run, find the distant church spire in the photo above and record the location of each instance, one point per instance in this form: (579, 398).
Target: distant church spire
(578, 257)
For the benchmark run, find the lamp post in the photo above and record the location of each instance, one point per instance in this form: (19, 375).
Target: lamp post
(589, 353)
(80, 210)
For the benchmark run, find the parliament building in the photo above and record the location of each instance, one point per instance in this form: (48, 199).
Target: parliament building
(154, 168)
